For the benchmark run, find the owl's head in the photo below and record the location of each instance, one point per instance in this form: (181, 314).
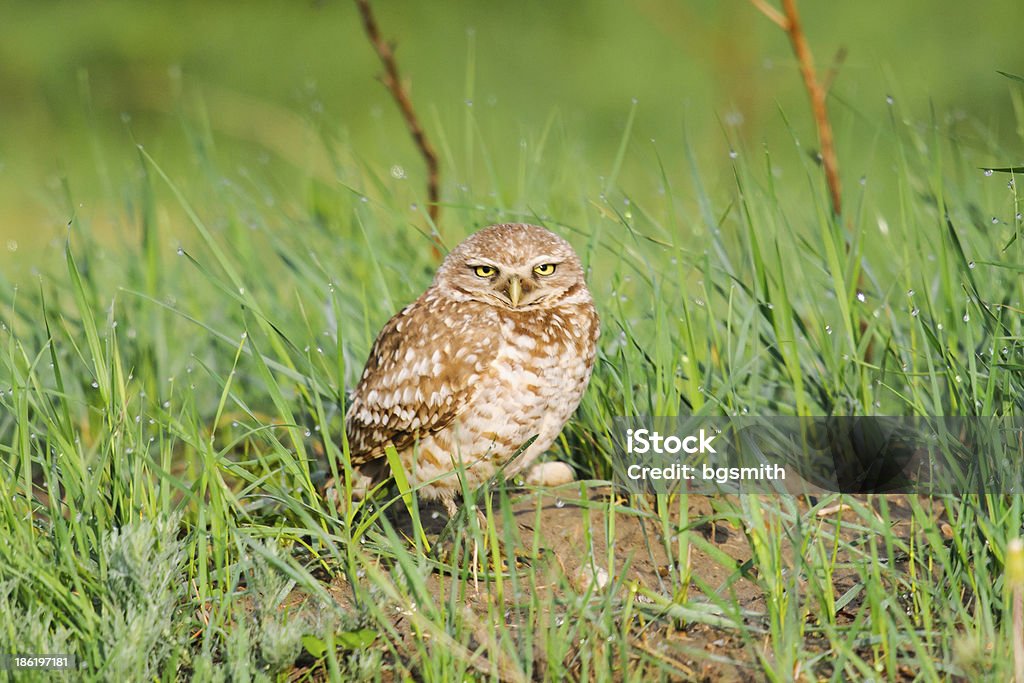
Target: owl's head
(513, 266)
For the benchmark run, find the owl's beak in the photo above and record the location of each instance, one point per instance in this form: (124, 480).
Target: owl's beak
(515, 291)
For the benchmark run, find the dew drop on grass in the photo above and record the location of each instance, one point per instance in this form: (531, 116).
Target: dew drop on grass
(559, 503)
(828, 329)
(971, 265)
(167, 404)
(915, 311)
(988, 172)
(910, 292)
(939, 327)
(181, 251)
(967, 317)
(861, 297)
(889, 99)
(733, 154)
(995, 221)
(95, 384)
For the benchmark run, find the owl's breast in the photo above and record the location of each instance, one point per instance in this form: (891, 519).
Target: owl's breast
(536, 381)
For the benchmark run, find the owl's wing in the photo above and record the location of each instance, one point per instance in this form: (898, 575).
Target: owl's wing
(423, 370)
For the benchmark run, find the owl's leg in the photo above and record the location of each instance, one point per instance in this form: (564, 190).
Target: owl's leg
(334, 490)
(549, 474)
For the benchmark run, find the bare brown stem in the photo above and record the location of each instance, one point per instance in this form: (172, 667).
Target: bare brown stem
(393, 83)
(789, 21)
(833, 71)
(775, 15)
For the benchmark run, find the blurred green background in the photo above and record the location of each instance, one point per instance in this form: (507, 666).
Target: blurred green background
(280, 84)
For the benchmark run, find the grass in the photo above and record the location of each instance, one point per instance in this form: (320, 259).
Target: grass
(168, 412)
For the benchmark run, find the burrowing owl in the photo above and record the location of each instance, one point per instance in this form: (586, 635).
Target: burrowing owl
(497, 350)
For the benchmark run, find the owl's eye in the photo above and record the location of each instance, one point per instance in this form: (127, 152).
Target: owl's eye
(485, 271)
(544, 269)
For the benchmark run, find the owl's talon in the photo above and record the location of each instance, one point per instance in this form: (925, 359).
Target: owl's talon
(550, 474)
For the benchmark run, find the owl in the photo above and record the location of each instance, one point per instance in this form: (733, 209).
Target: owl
(497, 350)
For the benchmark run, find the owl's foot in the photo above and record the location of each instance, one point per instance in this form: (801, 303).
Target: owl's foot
(550, 474)
(334, 491)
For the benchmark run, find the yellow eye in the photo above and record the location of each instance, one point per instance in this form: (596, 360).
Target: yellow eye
(485, 271)
(544, 269)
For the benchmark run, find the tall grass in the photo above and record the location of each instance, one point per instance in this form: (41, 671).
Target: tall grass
(170, 407)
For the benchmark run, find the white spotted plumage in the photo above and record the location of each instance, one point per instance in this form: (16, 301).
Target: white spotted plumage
(462, 377)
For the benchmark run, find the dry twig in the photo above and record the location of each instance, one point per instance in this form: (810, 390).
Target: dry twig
(789, 21)
(392, 81)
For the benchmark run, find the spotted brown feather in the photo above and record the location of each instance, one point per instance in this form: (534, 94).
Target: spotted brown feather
(423, 370)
